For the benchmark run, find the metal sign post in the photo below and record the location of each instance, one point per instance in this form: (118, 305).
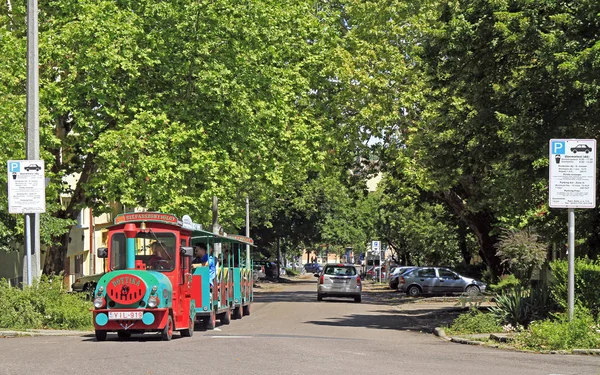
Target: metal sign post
(27, 195)
(572, 185)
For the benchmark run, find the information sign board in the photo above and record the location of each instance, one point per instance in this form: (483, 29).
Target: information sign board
(572, 173)
(26, 187)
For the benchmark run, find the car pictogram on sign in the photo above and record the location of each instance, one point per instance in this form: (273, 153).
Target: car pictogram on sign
(33, 167)
(581, 148)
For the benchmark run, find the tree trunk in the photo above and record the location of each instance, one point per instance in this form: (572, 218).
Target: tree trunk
(55, 258)
(482, 224)
(462, 238)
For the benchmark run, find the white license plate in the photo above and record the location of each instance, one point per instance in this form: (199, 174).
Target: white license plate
(125, 315)
(340, 281)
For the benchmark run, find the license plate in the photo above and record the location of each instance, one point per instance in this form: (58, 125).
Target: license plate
(125, 315)
(340, 281)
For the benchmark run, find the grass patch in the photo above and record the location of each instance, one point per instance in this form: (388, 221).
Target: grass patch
(474, 322)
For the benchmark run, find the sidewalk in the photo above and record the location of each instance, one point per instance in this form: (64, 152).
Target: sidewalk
(42, 332)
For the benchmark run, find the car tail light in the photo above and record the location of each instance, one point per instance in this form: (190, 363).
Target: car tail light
(357, 280)
(401, 280)
(321, 279)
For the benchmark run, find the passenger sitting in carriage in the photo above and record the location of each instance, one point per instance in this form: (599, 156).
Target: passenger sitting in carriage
(202, 259)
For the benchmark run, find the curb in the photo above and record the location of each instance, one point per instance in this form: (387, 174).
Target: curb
(42, 332)
(459, 340)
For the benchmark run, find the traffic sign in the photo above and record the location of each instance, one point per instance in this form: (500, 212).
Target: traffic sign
(572, 173)
(375, 246)
(26, 187)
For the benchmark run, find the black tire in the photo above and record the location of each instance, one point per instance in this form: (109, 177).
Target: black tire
(473, 290)
(413, 291)
(101, 335)
(167, 332)
(189, 332)
(237, 312)
(210, 321)
(246, 309)
(319, 297)
(226, 316)
(358, 299)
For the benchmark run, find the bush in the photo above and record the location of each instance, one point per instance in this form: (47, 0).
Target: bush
(519, 306)
(560, 334)
(291, 272)
(45, 304)
(587, 279)
(506, 283)
(474, 321)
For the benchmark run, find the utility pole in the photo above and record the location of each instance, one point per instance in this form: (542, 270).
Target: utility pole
(247, 232)
(32, 231)
(216, 228)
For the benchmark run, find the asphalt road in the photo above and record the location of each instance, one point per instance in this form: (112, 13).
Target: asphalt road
(289, 332)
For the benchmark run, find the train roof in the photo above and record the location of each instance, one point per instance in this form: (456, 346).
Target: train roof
(186, 223)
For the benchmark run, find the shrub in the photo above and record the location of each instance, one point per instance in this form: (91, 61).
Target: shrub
(506, 283)
(519, 306)
(45, 304)
(474, 321)
(291, 272)
(561, 334)
(587, 278)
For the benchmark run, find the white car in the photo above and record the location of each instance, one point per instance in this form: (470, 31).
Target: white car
(339, 280)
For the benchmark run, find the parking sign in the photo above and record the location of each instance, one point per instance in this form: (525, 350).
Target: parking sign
(26, 186)
(572, 173)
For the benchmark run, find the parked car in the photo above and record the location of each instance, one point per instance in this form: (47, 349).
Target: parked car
(339, 280)
(437, 280)
(395, 275)
(258, 272)
(270, 268)
(86, 284)
(313, 267)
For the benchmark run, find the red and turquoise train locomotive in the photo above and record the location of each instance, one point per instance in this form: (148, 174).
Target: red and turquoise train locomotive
(152, 286)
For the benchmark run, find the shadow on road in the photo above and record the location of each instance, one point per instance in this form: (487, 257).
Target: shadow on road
(421, 320)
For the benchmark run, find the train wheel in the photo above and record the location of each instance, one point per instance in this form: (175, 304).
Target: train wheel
(189, 332)
(237, 312)
(167, 332)
(101, 335)
(226, 316)
(210, 321)
(246, 309)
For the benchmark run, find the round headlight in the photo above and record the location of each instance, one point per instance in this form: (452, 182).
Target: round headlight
(153, 301)
(99, 302)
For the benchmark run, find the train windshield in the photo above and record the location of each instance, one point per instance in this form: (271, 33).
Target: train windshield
(152, 250)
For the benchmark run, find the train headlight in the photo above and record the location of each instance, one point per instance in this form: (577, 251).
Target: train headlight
(99, 302)
(153, 301)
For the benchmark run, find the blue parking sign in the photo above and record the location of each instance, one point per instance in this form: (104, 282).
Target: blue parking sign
(557, 147)
(14, 166)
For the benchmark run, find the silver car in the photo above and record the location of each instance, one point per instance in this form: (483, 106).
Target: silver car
(339, 280)
(437, 280)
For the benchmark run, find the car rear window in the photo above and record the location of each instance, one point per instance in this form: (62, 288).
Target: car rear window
(340, 270)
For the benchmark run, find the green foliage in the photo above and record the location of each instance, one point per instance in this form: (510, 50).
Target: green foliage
(506, 283)
(523, 251)
(474, 321)
(291, 272)
(43, 305)
(520, 306)
(587, 279)
(561, 334)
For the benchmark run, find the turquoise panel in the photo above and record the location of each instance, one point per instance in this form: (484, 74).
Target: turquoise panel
(101, 319)
(148, 318)
(237, 290)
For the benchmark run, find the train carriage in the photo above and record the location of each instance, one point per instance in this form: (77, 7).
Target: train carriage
(151, 285)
